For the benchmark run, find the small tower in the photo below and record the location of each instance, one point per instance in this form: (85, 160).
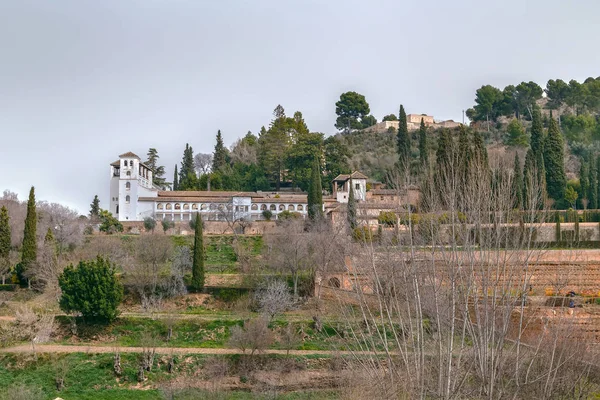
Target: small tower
(130, 179)
(341, 187)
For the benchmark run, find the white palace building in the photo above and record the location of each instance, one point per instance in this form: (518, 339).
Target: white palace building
(133, 197)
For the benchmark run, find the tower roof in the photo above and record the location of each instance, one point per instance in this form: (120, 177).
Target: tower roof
(129, 154)
(354, 175)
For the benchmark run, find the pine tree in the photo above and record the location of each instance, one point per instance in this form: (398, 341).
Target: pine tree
(593, 176)
(5, 241)
(403, 141)
(423, 151)
(516, 133)
(188, 180)
(554, 163)
(29, 248)
(175, 179)
(315, 192)
(198, 263)
(49, 238)
(95, 208)
(517, 184)
(351, 215)
(220, 154)
(158, 171)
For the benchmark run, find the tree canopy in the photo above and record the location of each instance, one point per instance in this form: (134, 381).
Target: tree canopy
(351, 109)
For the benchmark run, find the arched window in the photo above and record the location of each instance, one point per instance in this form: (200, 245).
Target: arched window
(254, 207)
(263, 207)
(169, 206)
(300, 207)
(213, 206)
(177, 206)
(128, 173)
(272, 207)
(221, 207)
(202, 206)
(160, 206)
(194, 206)
(128, 185)
(281, 207)
(291, 207)
(127, 199)
(186, 206)
(125, 163)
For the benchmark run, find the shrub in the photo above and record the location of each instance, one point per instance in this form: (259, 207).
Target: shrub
(387, 218)
(166, 225)
(108, 223)
(92, 288)
(8, 288)
(254, 336)
(362, 233)
(267, 214)
(149, 224)
(287, 215)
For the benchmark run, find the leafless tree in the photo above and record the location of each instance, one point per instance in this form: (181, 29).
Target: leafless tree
(274, 298)
(254, 336)
(290, 338)
(65, 224)
(33, 327)
(244, 153)
(203, 163)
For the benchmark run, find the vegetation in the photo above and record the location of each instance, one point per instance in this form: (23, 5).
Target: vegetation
(198, 258)
(29, 248)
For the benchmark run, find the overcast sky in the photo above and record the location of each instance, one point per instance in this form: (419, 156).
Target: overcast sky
(84, 81)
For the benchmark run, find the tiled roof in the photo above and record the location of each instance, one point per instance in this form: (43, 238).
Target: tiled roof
(116, 163)
(200, 193)
(129, 154)
(354, 175)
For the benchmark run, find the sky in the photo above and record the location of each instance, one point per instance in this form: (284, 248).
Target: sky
(82, 81)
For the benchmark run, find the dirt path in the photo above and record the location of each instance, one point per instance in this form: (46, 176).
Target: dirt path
(52, 348)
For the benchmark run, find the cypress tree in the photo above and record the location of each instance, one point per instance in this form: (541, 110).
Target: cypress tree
(95, 208)
(517, 184)
(537, 133)
(5, 240)
(583, 182)
(315, 192)
(175, 179)
(480, 154)
(198, 263)
(554, 163)
(220, 155)
(423, 153)
(465, 154)
(351, 215)
(49, 238)
(29, 248)
(593, 176)
(187, 174)
(403, 141)
(528, 179)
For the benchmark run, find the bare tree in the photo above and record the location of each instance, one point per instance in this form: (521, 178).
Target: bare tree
(254, 336)
(65, 224)
(33, 327)
(203, 163)
(244, 153)
(274, 298)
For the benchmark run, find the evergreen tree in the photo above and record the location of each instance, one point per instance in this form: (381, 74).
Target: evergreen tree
(516, 134)
(49, 238)
(584, 183)
(480, 155)
(423, 151)
(95, 208)
(188, 180)
(466, 155)
(158, 171)
(220, 154)
(5, 241)
(554, 162)
(403, 141)
(351, 215)
(593, 176)
(529, 178)
(517, 184)
(198, 262)
(315, 192)
(175, 179)
(534, 175)
(29, 248)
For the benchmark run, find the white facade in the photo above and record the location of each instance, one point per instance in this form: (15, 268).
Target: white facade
(130, 180)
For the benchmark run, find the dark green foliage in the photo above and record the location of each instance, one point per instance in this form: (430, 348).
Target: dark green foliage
(188, 180)
(175, 179)
(158, 171)
(300, 158)
(488, 104)
(149, 224)
(95, 208)
(390, 117)
(108, 223)
(198, 262)
(267, 214)
(516, 134)
(29, 248)
(554, 162)
(593, 176)
(387, 218)
(351, 214)
(537, 133)
(557, 92)
(220, 154)
(480, 155)
(92, 289)
(584, 184)
(5, 236)
(336, 159)
(517, 183)
(466, 155)
(423, 150)
(49, 238)
(403, 141)
(368, 121)
(315, 192)
(351, 109)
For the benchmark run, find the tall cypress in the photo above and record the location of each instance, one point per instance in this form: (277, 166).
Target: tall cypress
(95, 208)
(554, 163)
(517, 183)
(5, 240)
(29, 248)
(403, 141)
(423, 153)
(584, 183)
(351, 215)
(198, 263)
(220, 154)
(175, 179)
(480, 154)
(188, 180)
(465, 154)
(593, 176)
(529, 178)
(315, 192)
